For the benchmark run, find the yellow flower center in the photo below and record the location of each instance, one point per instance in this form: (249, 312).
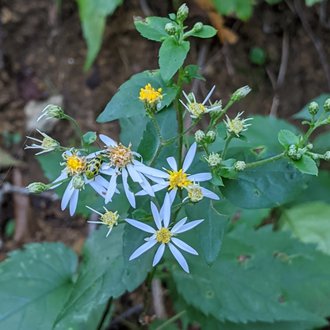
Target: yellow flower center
(178, 179)
(197, 109)
(75, 164)
(236, 126)
(150, 95)
(163, 235)
(195, 193)
(110, 218)
(120, 155)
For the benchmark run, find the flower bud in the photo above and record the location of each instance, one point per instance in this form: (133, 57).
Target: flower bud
(211, 135)
(182, 13)
(52, 111)
(37, 187)
(78, 182)
(240, 93)
(326, 156)
(295, 153)
(313, 108)
(198, 27)
(199, 136)
(213, 159)
(326, 105)
(240, 166)
(170, 28)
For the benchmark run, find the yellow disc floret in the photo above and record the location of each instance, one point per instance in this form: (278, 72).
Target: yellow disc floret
(178, 179)
(163, 235)
(196, 109)
(110, 218)
(150, 95)
(120, 156)
(195, 193)
(75, 164)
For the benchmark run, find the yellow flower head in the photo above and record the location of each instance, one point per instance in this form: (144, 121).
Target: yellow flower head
(120, 156)
(75, 164)
(178, 179)
(150, 95)
(163, 235)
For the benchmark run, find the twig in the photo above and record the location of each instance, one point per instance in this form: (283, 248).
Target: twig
(158, 299)
(132, 311)
(145, 8)
(324, 15)
(316, 41)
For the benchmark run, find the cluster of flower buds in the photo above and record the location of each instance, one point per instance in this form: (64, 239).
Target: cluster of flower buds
(213, 159)
(201, 138)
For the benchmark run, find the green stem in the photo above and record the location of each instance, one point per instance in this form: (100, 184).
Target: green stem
(308, 133)
(227, 141)
(76, 128)
(105, 314)
(180, 118)
(171, 320)
(265, 161)
(216, 119)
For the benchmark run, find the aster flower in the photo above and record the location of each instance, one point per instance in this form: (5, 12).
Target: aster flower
(164, 236)
(109, 218)
(175, 178)
(47, 144)
(198, 109)
(122, 162)
(196, 193)
(237, 125)
(151, 98)
(75, 166)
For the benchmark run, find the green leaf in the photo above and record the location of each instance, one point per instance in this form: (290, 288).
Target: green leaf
(322, 143)
(259, 276)
(192, 72)
(242, 8)
(212, 229)
(34, 284)
(89, 138)
(257, 56)
(172, 56)
(106, 272)
(310, 223)
(206, 32)
(149, 143)
(286, 138)
(125, 103)
(152, 28)
(306, 165)
(312, 2)
(304, 113)
(93, 15)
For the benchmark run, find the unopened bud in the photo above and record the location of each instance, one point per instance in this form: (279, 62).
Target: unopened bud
(78, 182)
(198, 27)
(313, 108)
(199, 136)
(37, 187)
(182, 13)
(170, 28)
(240, 93)
(211, 135)
(213, 159)
(240, 166)
(295, 153)
(326, 105)
(52, 111)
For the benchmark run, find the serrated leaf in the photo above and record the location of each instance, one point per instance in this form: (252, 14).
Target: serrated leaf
(152, 28)
(304, 113)
(310, 223)
(93, 15)
(259, 276)
(287, 138)
(106, 272)
(211, 231)
(306, 165)
(125, 103)
(172, 56)
(206, 32)
(34, 284)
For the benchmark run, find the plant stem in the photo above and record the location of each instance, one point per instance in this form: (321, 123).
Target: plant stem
(216, 119)
(180, 118)
(76, 128)
(265, 161)
(227, 141)
(171, 320)
(105, 313)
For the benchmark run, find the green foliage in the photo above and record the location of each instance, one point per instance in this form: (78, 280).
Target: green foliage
(306, 165)
(310, 223)
(304, 113)
(287, 138)
(152, 28)
(242, 8)
(89, 138)
(259, 276)
(258, 56)
(93, 14)
(171, 57)
(126, 104)
(35, 283)
(206, 32)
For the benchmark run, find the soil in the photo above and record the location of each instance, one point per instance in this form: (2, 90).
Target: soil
(42, 52)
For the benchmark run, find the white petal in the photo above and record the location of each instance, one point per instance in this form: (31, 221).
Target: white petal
(184, 246)
(111, 188)
(155, 179)
(208, 95)
(143, 248)
(101, 181)
(107, 141)
(141, 225)
(178, 225)
(105, 169)
(184, 105)
(172, 162)
(158, 255)
(134, 174)
(189, 157)
(93, 155)
(140, 167)
(74, 201)
(67, 195)
(173, 194)
(189, 225)
(62, 176)
(179, 257)
(200, 177)
(167, 210)
(108, 233)
(156, 215)
(155, 188)
(209, 194)
(98, 188)
(130, 196)
(145, 185)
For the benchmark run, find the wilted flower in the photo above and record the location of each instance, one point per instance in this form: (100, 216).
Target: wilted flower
(52, 111)
(164, 236)
(198, 109)
(196, 193)
(108, 218)
(240, 93)
(37, 187)
(237, 125)
(47, 144)
(213, 159)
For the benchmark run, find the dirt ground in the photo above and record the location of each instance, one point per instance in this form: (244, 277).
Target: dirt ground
(42, 52)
